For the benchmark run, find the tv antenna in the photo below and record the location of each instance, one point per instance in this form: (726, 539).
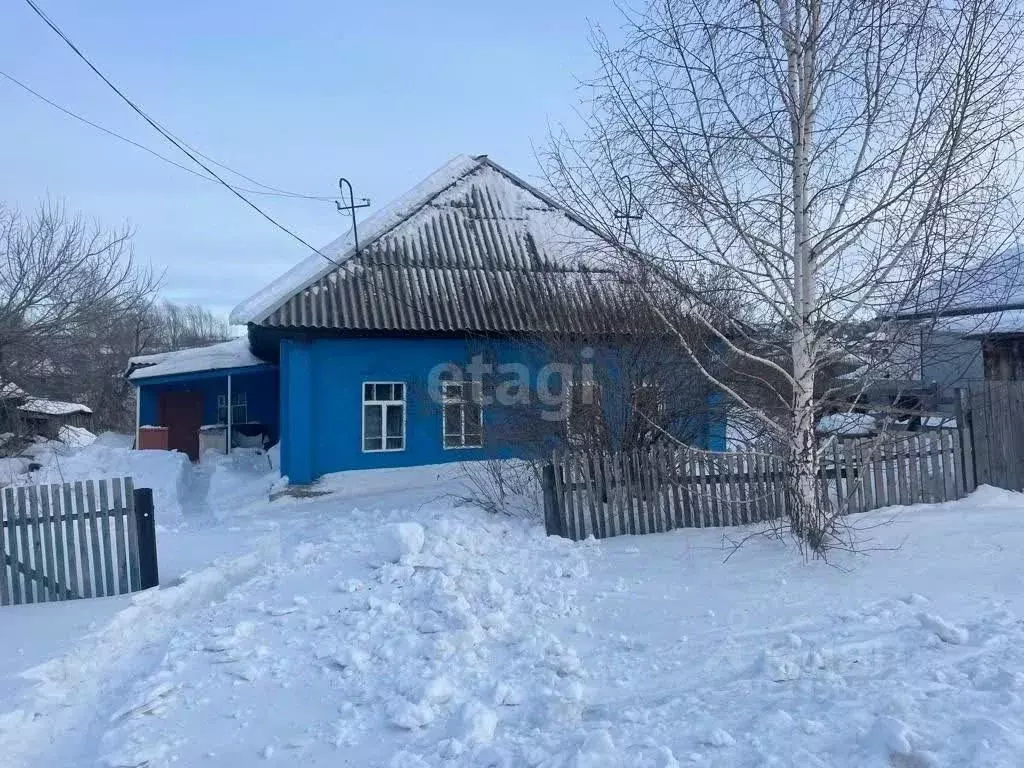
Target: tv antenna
(626, 213)
(351, 207)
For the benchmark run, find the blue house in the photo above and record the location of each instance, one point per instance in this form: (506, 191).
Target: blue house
(472, 319)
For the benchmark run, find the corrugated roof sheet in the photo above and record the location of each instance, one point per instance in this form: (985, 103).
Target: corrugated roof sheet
(484, 252)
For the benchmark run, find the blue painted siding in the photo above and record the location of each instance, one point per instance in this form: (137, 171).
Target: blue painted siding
(321, 402)
(260, 388)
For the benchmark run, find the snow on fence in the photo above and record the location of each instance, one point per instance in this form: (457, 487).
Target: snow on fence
(75, 540)
(664, 487)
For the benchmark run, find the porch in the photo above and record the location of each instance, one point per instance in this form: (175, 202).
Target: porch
(198, 400)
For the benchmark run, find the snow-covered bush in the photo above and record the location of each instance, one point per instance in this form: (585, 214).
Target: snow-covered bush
(506, 487)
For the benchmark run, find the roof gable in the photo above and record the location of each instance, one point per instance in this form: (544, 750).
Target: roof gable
(472, 247)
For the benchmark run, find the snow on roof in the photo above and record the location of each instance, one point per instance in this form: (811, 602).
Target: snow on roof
(11, 391)
(982, 324)
(993, 282)
(227, 354)
(52, 407)
(849, 424)
(315, 266)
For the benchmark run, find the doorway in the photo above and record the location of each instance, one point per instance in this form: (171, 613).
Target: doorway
(182, 414)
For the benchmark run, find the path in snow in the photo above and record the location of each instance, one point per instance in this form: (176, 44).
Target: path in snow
(488, 644)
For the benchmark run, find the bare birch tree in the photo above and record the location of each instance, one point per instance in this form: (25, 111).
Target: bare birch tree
(831, 157)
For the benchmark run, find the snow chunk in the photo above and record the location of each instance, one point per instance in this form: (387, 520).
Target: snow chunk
(477, 723)
(398, 540)
(890, 736)
(947, 633)
(720, 738)
(404, 714)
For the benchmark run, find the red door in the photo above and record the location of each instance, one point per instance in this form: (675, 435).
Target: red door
(182, 414)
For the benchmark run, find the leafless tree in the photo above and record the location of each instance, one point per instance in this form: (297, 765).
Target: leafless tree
(64, 285)
(190, 325)
(831, 157)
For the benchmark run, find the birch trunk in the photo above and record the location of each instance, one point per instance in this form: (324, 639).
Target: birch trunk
(806, 512)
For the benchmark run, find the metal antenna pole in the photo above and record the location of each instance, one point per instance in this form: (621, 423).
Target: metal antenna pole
(627, 215)
(351, 207)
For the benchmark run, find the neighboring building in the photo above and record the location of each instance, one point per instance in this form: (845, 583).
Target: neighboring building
(971, 326)
(367, 351)
(46, 417)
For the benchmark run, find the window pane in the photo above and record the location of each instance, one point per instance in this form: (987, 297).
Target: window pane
(398, 392)
(453, 419)
(372, 420)
(452, 441)
(451, 391)
(394, 419)
(395, 444)
(367, 392)
(373, 444)
(473, 424)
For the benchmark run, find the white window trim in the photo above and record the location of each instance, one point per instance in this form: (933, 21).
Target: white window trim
(363, 402)
(462, 412)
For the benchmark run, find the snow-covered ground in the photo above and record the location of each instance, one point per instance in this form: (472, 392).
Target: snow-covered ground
(380, 626)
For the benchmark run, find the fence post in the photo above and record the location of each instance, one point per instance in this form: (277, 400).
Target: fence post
(145, 528)
(965, 426)
(552, 517)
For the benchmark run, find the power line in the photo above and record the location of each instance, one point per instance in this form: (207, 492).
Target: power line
(159, 129)
(154, 153)
(192, 156)
(180, 145)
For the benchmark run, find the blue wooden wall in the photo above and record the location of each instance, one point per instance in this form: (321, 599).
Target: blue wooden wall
(321, 402)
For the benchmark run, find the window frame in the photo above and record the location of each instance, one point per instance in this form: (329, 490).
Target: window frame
(462, 401)
(239, 400)
(383, 404)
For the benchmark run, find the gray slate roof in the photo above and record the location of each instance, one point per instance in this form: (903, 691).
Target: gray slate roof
(471, 249)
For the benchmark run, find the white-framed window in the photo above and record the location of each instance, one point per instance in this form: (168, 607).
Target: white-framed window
(383, 416)
(462, 418)
(239, 408)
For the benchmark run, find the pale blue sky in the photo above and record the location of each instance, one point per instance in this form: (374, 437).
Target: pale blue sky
(294, 94)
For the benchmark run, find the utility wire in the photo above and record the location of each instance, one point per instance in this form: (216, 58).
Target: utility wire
(192, 155)
(157, 127)
(154, 153)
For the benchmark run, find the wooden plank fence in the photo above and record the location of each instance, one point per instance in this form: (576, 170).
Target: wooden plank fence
(665, 486)
(76, 540)
(992, 413)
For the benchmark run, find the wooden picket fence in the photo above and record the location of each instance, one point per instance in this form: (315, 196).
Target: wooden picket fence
(668, 486)
(76, 540)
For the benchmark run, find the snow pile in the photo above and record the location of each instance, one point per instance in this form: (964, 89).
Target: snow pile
(396, 541)
(237, 480)
(75, 437)
(110, 455)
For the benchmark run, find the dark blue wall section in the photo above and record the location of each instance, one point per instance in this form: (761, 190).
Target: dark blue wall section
(260, 386)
